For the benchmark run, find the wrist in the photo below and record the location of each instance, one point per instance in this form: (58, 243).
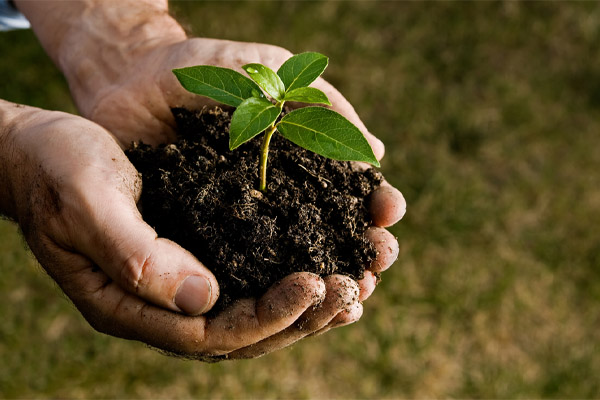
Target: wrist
(95, 43)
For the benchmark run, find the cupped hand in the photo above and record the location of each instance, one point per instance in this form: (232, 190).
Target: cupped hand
(138, 107)
(75, 197)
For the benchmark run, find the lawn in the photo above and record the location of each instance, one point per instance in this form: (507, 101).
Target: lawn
(491, 117)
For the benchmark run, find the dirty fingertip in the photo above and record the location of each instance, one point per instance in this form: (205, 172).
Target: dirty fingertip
(386, 246)
(292, 295)
(367, 286)
(348, 316)
(387, 206)
(319, 288)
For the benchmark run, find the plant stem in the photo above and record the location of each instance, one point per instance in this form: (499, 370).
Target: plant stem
(264, 154)
(264, 151)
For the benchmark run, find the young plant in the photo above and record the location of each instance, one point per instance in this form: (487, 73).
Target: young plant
(317, 129)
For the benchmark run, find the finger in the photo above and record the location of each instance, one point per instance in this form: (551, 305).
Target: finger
(346, 317)
(292, 335)
(343, 106)
(276, 342)
(386, 246)
(387, 206)
(128, 250)
(367, 285)
(111, 310)
(250, 321)
(342, 294)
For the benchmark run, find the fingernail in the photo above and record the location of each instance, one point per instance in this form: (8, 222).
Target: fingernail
(193, 295)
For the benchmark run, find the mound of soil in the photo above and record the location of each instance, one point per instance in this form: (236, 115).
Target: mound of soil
(203, 196)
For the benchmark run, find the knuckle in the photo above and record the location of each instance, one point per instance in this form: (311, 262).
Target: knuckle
(135, 269)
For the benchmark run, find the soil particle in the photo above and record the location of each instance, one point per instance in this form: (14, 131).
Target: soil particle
(203, 196)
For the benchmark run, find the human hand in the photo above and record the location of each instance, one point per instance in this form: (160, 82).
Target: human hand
(157, 82)
(387, 204)
(126, 84)
(72, 190)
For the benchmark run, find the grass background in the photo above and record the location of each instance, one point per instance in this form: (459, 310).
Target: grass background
(491, 117)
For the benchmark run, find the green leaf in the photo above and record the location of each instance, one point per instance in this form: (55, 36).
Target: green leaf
(327, 133)
(266, 79)
(221, 84)
(302, 69)
(251, 118)
(307, 95)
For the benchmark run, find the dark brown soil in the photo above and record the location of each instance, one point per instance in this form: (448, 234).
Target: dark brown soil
(203, 196)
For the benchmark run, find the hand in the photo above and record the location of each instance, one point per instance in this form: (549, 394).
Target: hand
(130, 98)
(73, 191)
(125, 84)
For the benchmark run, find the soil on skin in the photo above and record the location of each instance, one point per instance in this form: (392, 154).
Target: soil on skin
(203, 196)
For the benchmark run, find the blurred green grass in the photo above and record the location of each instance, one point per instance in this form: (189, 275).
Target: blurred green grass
(490, 113)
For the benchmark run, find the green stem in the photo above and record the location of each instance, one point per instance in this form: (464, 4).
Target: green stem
(264, 154)
(264, 151)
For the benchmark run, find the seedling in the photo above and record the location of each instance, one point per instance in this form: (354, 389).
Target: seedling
(315, 128)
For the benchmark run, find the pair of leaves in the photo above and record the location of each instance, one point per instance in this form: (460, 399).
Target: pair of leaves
(232, 88)
(317, 129)
(291, 81)
(274, 86)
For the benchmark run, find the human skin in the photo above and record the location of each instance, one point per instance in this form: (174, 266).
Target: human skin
(72, 190)
(117, 59)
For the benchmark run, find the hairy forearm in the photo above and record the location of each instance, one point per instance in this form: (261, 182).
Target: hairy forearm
(10, 114)
(96, 42)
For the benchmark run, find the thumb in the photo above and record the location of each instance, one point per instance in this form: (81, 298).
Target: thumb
(155, 269)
